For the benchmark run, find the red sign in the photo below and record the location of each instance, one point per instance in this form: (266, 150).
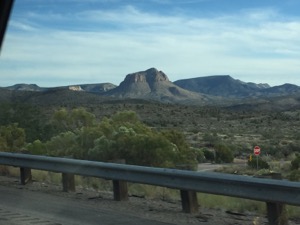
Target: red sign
(256, 150)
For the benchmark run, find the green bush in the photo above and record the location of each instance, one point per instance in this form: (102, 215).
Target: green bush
(199, 155)
(262, 164)
(223, 154)
(123, 136)
(296, 163)
(209, 155)
(294, 175)
(12, 138)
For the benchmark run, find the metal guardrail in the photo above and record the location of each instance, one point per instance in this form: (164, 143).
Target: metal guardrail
(267, 190)
(213, 183)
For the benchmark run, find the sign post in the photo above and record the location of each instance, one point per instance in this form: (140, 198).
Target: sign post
(256, 151)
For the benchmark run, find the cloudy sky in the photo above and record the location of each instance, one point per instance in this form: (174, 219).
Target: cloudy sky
(62, 42)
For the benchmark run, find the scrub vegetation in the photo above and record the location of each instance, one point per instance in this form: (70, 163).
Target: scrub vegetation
(160, 135)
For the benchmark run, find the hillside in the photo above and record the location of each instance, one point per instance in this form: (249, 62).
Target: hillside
(155, 85)
(226, 86)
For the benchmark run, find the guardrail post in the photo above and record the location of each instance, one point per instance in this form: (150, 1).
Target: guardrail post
(120, 187)
(68, 182)
(189, 201)
(25, 175)
(276, 212)
(120, 190)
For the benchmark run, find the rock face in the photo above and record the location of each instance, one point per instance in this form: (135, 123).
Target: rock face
(150, 76)
(155, 85)
(142, 83)
(75, 88)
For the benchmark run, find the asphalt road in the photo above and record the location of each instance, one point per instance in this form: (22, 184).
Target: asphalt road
(24, 207)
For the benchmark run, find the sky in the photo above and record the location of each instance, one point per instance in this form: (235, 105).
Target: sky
(64, 42)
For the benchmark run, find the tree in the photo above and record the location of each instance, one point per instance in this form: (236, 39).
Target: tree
(29, 117)
(186, 155)
(123, 136)
(223, 154)
(12, 138)
(64, 144)
(81, 118)
(36, 148)
(64, 120)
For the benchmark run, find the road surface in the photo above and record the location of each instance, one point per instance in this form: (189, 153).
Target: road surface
(19, 206)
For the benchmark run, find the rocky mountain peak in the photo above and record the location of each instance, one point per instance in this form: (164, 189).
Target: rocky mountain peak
(149, 76)
(153, 74)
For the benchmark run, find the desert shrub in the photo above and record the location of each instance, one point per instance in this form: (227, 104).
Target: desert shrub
(36, 148)
(223, 154)
(211, 139)
(208, 154)
(294, 175)
(296, 163)
(199, 155)
(262, 164)
(12, 138)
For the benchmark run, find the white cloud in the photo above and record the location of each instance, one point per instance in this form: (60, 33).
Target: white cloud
(248, 43)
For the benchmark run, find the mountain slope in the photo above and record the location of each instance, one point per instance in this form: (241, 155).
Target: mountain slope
(226, 86)
(155, 85)
(221, 85)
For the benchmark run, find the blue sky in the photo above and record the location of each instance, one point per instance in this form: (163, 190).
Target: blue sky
(63, 42)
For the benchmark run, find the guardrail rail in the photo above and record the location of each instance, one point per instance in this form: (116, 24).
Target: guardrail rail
(275, 193)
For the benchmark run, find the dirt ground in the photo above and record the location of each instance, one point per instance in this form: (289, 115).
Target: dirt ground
(163, 211)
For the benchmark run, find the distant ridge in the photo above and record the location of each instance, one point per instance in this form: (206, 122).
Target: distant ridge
(96, 88)
(226, 86)
(154, 85)
(25, 87)
(221, 85)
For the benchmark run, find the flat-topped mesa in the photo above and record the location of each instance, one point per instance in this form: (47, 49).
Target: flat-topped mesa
(149, 76)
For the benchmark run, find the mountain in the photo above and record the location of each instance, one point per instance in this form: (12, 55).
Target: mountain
(155, 85)
(95, 88)
(25, 87)
(221, 85)
(226, 86)
(285, 89)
